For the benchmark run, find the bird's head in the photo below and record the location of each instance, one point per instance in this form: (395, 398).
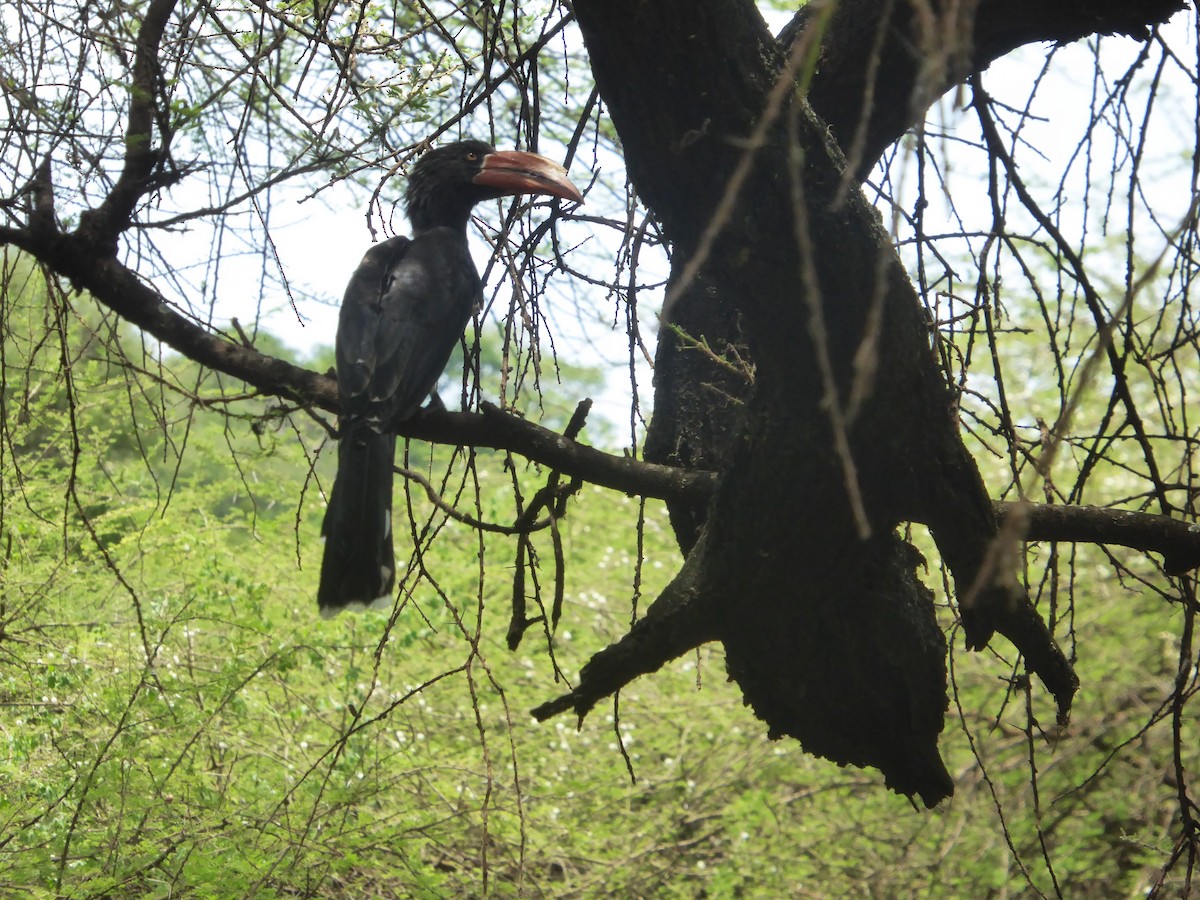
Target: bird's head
(447, 182)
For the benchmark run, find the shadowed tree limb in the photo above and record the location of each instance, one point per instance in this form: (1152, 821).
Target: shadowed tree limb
(121, 290)
(881, 63)
(902, 457)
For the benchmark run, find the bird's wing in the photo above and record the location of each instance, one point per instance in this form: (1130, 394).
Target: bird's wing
(402, 335)
(427, 303)
(358, 323)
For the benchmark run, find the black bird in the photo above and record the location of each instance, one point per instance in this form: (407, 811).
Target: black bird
(405, 308)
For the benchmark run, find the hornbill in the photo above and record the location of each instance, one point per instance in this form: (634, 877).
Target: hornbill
(405, 308)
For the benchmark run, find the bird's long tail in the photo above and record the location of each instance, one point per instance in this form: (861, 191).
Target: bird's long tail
(358, 569)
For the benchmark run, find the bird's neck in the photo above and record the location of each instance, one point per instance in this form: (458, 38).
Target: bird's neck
(449, 209)
(420, 228)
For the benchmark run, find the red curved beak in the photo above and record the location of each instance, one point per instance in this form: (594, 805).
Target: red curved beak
(517, 172)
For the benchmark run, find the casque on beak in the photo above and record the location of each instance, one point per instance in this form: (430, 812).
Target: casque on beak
(517, 172)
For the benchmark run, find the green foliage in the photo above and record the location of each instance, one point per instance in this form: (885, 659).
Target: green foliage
(176, 720)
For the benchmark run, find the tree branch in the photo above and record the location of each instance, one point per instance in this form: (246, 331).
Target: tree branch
(89, 267)
(102, 225)
(1176, 540)
(494, 428)
(916, 59)
(119, 288)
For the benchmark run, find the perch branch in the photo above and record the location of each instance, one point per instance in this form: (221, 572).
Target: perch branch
(120, 289)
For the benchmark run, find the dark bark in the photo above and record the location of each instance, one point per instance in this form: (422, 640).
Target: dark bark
(870, 87)
(699, 405)
(865, 86)
(827, 630)
(807, 594)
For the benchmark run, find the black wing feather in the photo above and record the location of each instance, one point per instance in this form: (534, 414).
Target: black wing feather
(358, 323)
(427, 301)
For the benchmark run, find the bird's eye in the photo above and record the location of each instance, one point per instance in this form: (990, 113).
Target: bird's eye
(472, 156)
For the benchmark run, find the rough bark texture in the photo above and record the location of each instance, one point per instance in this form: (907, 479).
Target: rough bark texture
(867, 86)
(829, 633)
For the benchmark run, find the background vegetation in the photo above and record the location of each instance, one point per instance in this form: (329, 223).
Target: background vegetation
(189, 727)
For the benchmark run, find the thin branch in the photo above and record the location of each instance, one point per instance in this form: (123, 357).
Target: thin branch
(102, 225)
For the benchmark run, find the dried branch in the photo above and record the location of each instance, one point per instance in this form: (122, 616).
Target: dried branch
(552, 498)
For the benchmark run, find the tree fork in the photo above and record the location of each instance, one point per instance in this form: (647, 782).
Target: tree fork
(897, 452)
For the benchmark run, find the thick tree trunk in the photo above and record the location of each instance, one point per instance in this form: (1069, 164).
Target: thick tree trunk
(849, 427)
